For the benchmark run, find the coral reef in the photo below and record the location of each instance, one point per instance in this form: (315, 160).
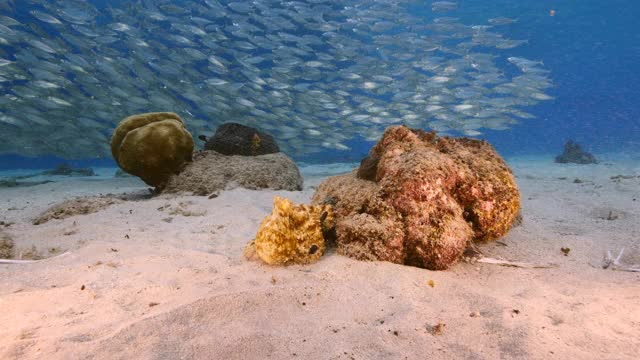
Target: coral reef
(152, 146)
(292, 234)
(420, 199)
(211, 172)
(79, 206)
(238, 139)
(573, 153)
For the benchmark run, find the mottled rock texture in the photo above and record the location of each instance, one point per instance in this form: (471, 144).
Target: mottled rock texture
(238, 139)
(292, 234)
(211, 172)
(152, 146)
(419, 199)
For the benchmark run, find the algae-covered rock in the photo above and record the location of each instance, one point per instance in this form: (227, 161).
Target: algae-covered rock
(419, 199)
(210, 172)
(152, 146)
(292, 234)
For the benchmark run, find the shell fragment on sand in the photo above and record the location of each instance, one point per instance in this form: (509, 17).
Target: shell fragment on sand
(16, 261)
(518, 264)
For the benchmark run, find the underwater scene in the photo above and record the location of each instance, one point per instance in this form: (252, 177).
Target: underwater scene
(319, 179)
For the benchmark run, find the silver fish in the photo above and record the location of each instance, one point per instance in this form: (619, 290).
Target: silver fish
(296, 69)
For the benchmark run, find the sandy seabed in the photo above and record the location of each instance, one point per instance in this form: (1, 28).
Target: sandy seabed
(164, 278)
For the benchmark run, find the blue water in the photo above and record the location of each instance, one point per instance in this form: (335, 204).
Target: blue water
(592, 49)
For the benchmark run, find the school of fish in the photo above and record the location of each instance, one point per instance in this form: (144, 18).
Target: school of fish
(313, 73)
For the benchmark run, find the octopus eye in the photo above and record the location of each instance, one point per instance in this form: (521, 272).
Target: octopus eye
(313, 249)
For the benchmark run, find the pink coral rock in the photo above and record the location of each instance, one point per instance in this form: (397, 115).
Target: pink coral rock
(420, 199)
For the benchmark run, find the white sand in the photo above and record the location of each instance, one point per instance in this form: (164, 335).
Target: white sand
(212, 304)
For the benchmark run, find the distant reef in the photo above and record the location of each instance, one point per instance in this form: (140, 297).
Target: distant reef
(67, 170)
(121, 174)
(13, 182)
(573, 153)
(60, 170)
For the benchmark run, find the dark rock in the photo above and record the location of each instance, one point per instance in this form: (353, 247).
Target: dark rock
(66, 170)
(424, 201)
(573, 153)
(238, 139)
(211, 172)
(368, 168)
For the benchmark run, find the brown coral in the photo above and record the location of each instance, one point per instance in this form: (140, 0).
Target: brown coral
(152, 146)
(292, 234)
(419, 199)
